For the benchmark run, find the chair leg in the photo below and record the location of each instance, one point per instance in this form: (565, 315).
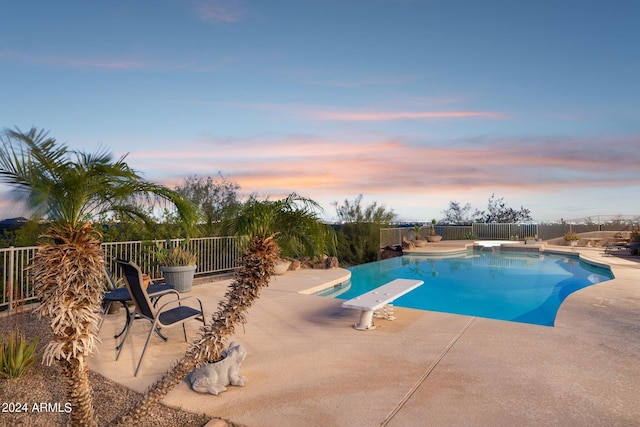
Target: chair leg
(105, 310)
(153, 327)
(127, 327)
(184, 329)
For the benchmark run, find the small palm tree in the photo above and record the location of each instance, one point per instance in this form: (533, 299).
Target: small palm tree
(293, 223)
(70, 188)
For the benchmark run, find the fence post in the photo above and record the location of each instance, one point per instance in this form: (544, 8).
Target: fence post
(11, 277)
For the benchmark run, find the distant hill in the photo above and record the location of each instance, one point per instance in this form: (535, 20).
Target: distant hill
(10, 224)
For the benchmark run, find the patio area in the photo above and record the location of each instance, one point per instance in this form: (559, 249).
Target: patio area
(307, 366)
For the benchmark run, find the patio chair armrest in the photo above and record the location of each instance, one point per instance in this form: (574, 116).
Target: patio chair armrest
(179, 300)
(156, 296)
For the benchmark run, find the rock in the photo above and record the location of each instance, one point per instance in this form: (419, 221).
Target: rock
(331, 262)
(391, 252)
(295, 265)
(406, 244)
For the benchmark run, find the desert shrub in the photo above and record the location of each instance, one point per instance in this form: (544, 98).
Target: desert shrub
(16, 355)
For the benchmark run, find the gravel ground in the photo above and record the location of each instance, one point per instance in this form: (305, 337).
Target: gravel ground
(44, 384)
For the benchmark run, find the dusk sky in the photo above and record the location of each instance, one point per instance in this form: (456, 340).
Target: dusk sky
(410, 103)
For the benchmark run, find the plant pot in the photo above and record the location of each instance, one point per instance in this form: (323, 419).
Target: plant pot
(573, 243)
(434, 239)
(281, 267)
(181, 277)
(145, 281)
(420, 243)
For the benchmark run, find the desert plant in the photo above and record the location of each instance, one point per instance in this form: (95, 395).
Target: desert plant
(571, 236)
(16, 355)
(358, 234)
(470, 236)
(293, 221)
(175, 255)
(417, 229)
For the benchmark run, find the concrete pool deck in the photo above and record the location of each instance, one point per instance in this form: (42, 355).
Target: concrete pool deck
(306, 365)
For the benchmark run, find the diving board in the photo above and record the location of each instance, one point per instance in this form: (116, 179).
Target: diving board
(378, 298)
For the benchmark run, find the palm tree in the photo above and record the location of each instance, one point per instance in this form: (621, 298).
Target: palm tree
(291, 222)
(70, 188)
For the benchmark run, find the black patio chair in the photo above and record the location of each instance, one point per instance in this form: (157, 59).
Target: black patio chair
(167, 315)
(120, 295)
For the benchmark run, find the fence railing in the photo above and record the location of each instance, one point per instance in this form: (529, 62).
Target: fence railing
(214, 255)
(393, 236)
(504, 231)
(16, 285)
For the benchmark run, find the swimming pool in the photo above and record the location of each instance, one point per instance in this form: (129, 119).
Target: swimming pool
(519, 287)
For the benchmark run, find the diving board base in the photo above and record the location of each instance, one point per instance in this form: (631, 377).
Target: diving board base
(366, 321)
(373, 300)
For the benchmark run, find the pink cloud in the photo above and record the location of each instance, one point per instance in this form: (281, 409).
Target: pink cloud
(414, 173)
(219, 11)
(333, 167)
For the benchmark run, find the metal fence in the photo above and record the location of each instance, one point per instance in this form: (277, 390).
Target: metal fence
(393, 236)
(214, 255)
(504, 231)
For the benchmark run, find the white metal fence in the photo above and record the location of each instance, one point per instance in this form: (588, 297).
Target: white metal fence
(215, 254)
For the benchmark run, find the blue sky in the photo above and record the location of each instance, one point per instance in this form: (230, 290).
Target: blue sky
(411, 103)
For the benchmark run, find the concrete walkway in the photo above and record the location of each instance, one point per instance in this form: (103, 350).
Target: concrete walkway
(306, 366)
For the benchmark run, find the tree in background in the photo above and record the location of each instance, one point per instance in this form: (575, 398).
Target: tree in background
(358, 230)
(213, 197)
(457, 214)
(25, 234)
(498, 212)
(70, 188)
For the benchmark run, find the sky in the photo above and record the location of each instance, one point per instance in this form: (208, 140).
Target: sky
(413, 104)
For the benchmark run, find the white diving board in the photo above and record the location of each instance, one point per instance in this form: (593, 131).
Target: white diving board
(378, 298)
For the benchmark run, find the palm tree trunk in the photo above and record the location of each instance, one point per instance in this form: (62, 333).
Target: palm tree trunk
(256, 269)
(79, 393)
(67, 275)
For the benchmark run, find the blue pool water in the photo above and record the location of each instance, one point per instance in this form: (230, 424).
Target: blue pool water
(526, 288)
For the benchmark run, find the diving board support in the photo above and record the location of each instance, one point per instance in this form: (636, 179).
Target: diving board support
(378, 298)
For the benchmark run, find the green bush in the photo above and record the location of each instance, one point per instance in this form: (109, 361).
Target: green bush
(16, 356)
(358, 243)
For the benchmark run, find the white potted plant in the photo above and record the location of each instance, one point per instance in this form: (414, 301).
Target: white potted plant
(178, 266)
